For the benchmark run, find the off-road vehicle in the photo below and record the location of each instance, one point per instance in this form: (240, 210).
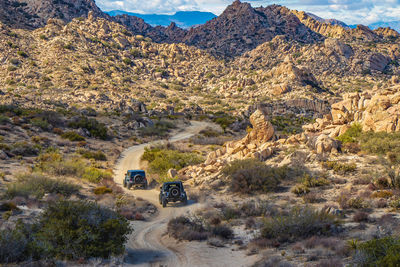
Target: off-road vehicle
(172, 192)
(135, 178)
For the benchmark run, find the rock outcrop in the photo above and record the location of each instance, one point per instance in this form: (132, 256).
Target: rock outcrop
(31, 14)
(375, 111)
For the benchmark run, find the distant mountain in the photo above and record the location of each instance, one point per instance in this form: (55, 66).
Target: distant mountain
(183, 19)
(395, 25)
(329, 21)
(241, 28)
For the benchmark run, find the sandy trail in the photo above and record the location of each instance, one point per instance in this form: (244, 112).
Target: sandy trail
(146, 245)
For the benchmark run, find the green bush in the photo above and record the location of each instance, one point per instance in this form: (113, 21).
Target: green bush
(24, 149)
(251, 175)
(311, 181)
(224, 120)
(337, 167)
(290, 123)
(36, 185)
(39, 122)
(299, 223)
(102, 190)
(95, 128)
(4, 119)
(160, 129)
(352, 134)
(184, 228)
(73, 136)
(97, 155)
(13, 246)
(382, 252)
(59, 166)
(300, 189)
(79, 229)
(95, 175)
(379, 143)
(161, 160)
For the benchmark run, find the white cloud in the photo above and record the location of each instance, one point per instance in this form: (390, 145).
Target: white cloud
(349, 11)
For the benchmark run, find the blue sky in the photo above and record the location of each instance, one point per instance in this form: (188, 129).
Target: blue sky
(349, 11)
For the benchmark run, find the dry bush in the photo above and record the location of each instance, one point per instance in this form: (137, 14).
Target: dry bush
(299, 223)
(340, 168)
(332, 262)
(347, 201)
(382, 194)
(361, 216)
(251, 175)
(312, 198)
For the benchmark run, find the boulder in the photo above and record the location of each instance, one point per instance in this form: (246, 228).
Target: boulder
(339, 47)
(262, 131)
(324, 144)
(172, 173)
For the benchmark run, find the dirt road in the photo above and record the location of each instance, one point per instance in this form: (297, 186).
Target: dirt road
(147, 246)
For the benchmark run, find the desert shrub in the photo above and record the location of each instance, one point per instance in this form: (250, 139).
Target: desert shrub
(360, 216)
(22, 54)
(352, 134)
(251, 175)
(311, 181)
(347, 201)
(209, 132)
(378, 252)
(56, 165)
(102, 190)
(395, 203)
(24, 149)
(161, 159)
(300, 189)
(97, 155)
(4, 119)
(8, 206)
(39, 122)
(72, 136)
(382, 194)
(230, 213)
(299, 223)
(13, 246)
(183, 228)
(222, 231)
(224, 120)
(79, 229)
(290, 123)
(311, 198)
(337, 167)
(394, 178)
(34, 184)
(160, 129)
(380, 143)
(95, 175)
(95, 128)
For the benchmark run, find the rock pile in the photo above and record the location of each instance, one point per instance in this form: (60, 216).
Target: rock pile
(375, 111)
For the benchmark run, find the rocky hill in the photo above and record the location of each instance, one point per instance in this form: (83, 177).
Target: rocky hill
(241, 28)
(32, 14)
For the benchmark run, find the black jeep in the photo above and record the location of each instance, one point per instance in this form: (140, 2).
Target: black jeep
(172, 192)
(135, 178)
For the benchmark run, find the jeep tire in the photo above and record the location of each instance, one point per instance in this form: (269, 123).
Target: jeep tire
(175, 192)
(164, 202)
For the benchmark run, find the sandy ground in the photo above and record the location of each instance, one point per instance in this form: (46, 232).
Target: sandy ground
(148, 245)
